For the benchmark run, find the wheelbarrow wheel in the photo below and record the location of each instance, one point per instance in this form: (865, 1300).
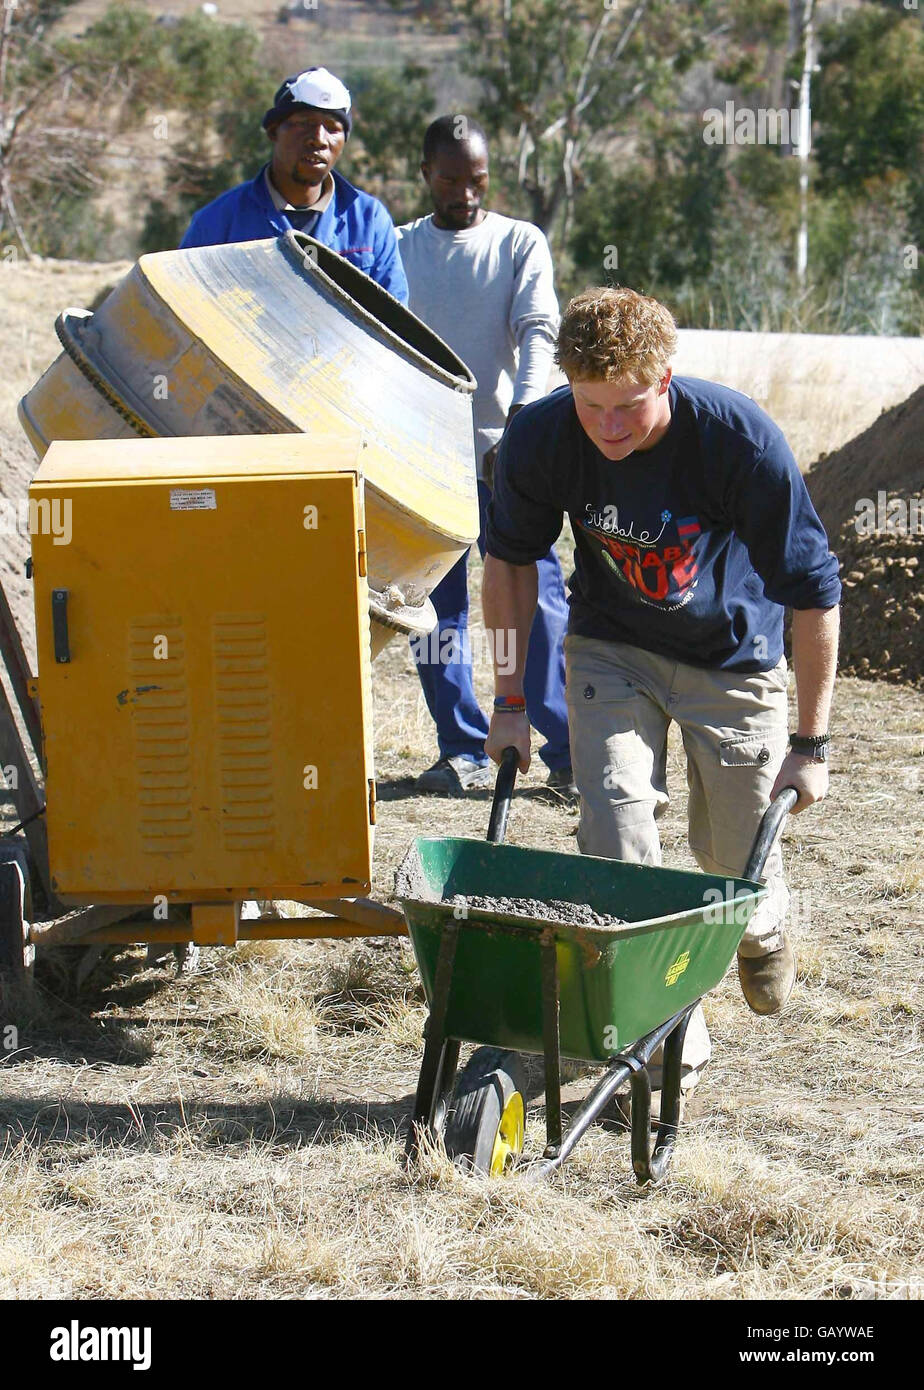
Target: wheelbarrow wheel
(17, 955)
(486, 1122)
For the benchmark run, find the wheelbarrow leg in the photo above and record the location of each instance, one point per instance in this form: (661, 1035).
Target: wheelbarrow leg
(632, 1065)
(649, 1164)
(441, 1055)
(551, 1045)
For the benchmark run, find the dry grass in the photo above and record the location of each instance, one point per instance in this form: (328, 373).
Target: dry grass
(239, 1133)
(182, 1211)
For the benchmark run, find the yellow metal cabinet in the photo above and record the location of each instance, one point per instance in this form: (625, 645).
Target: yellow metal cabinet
(204, 671)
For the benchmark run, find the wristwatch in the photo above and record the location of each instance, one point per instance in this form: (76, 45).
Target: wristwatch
(811, 746)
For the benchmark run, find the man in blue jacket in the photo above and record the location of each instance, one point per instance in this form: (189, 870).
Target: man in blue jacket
(308, 126)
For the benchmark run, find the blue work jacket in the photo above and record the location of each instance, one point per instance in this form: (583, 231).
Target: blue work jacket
(354, 224)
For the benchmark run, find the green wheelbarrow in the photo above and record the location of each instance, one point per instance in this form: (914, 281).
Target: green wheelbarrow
(614, 988)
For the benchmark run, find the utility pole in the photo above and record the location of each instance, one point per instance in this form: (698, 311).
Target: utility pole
(804, 144)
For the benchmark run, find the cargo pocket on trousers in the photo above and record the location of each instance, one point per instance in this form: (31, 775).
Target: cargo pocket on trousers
(736, 792)
(751, 750)
(745, 772)
(602, 717)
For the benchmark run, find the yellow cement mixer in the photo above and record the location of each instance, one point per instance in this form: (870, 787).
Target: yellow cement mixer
(256, 465)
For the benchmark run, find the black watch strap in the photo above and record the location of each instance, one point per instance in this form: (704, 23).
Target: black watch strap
(812, 745)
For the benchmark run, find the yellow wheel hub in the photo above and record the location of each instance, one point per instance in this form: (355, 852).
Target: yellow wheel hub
(509, 1141)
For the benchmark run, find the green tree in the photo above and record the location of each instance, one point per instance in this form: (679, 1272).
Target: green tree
(560, 81)
(870, 106)
(214, 94)
(860, 257)
(392, 109)
(64, 100)
(651, 225)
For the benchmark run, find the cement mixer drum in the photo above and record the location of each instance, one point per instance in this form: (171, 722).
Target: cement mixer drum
(280, 336)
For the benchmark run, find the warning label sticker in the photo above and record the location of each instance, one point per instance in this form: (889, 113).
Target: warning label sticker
(192, 499)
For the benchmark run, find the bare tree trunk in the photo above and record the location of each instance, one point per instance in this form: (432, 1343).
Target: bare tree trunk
(546, 206)
(8, 208)
(7, 133)
(8, 10)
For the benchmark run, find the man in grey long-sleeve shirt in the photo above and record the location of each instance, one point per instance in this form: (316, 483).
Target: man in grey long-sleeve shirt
(485, 284)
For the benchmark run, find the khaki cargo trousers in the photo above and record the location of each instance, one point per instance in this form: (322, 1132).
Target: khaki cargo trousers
(621, 701)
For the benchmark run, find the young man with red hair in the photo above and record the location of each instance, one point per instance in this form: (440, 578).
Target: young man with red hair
(693, 531)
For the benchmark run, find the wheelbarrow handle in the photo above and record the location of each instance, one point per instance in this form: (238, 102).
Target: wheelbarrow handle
(503, 791)
(770, 826)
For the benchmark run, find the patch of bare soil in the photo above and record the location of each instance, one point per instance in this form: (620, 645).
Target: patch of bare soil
(870, 496)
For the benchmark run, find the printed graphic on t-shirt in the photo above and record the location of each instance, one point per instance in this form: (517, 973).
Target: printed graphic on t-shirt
(659, 565)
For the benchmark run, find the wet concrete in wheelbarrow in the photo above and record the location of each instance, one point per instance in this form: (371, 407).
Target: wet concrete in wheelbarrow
(411, 885)
(552, 910)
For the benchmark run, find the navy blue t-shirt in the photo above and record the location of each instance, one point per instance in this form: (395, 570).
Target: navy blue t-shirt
(690, 549)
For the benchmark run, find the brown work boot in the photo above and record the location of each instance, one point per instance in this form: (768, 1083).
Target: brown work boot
(767, 981)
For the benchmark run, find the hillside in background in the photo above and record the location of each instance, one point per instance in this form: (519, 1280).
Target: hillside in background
(174, 112)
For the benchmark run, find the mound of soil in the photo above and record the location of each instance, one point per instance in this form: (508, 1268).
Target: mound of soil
(882, 616)
(867, 495)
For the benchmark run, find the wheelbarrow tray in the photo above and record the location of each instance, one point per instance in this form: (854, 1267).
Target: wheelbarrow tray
(617, 983)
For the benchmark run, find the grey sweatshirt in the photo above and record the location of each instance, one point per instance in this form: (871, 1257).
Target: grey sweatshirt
(489, 293)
